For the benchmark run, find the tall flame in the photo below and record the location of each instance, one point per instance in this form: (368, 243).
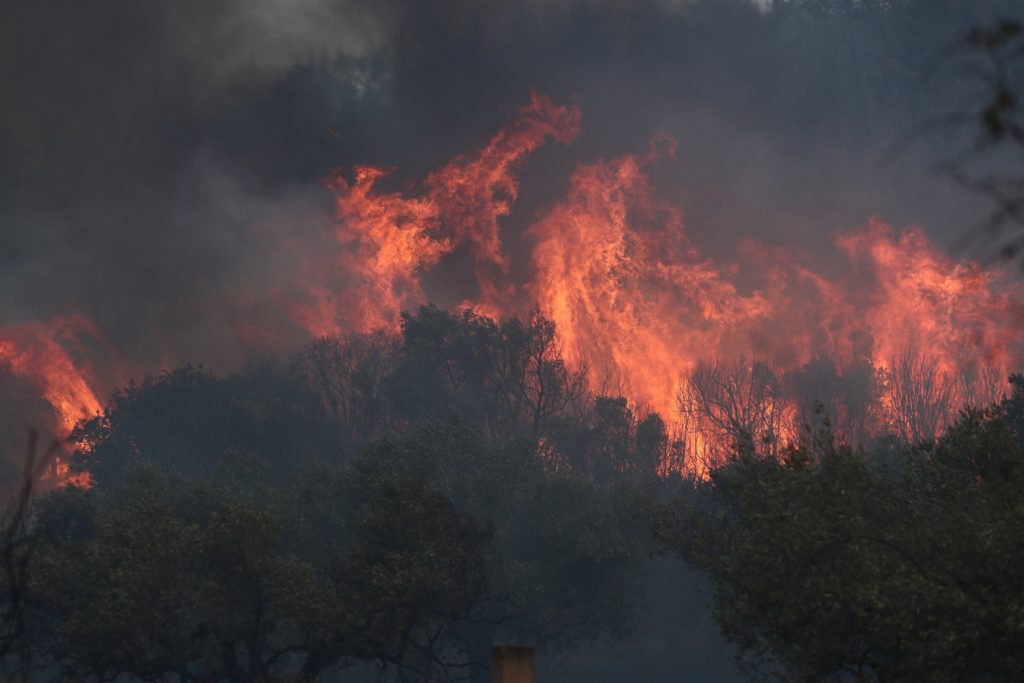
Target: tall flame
(719, 348)
(637, 302)
(391, 239)
(957, 313)
(618, 277)
(617, 274)
(39, 353)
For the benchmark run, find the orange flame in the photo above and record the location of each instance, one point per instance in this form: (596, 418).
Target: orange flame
(639, 304)
(716, 348)
(38, 353)
(392, 239)
(625, 287)
(618, 277)
(957, 313)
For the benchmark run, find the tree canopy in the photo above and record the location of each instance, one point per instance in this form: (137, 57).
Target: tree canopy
(832, 565)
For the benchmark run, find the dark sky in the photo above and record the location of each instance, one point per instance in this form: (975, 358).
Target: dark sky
(162, 164)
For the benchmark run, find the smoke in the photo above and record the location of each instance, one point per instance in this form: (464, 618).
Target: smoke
(164, 164)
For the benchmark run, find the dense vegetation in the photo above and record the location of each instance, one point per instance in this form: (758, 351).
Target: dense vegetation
(833, 564)
(370, 500)
(406, 502)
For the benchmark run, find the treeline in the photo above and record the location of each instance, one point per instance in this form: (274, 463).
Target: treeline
(722, 403)
(509, 380)
(414, 555)
(901, 564)
(401, 503)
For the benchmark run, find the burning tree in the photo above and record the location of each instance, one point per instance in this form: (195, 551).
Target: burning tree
(844, 399)
(737, 406)
(920, 397)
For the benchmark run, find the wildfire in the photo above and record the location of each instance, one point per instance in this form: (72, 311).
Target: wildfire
(655, 320)
(957, 313)
(895, 344)
(391, 239)
(38, 353)
(618, 277)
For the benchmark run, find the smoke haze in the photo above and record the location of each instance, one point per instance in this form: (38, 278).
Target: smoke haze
(164, 165)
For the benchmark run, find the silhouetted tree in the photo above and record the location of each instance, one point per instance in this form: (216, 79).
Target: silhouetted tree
(186, 419)
(738, 403)
(846, 398)
(829, 567)
(348, 376)
(17, 551)
(510, 377)
(202, 578)
(992, 166)
(921, 396)
(608, 442)
(568, 553)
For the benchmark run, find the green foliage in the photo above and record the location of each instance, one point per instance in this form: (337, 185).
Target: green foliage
(400, 564)
(413, 555)
(201, 577)
(569, 554)
(481, 495)
(828, 567)
(402, 501)
(166, 575)
(186, 419)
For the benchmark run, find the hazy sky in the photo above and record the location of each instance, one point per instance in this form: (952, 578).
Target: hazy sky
(163, 163)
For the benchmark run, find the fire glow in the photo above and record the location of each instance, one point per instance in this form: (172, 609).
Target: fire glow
(40, 354)
(635, 301)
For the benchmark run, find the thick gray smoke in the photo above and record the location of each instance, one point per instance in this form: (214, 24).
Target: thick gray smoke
(162, 164)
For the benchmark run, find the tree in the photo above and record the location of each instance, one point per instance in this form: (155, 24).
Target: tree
(827, 566)
(348, 376)
(510, 377)
(401, 567)
(921, 397)
(994, 54)
(164, 576)
(187, 420)
(210, 578)
(368, 501)
(609, 442)
(735, 403)
(17, 551)
(847, 398)
(568, 554)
